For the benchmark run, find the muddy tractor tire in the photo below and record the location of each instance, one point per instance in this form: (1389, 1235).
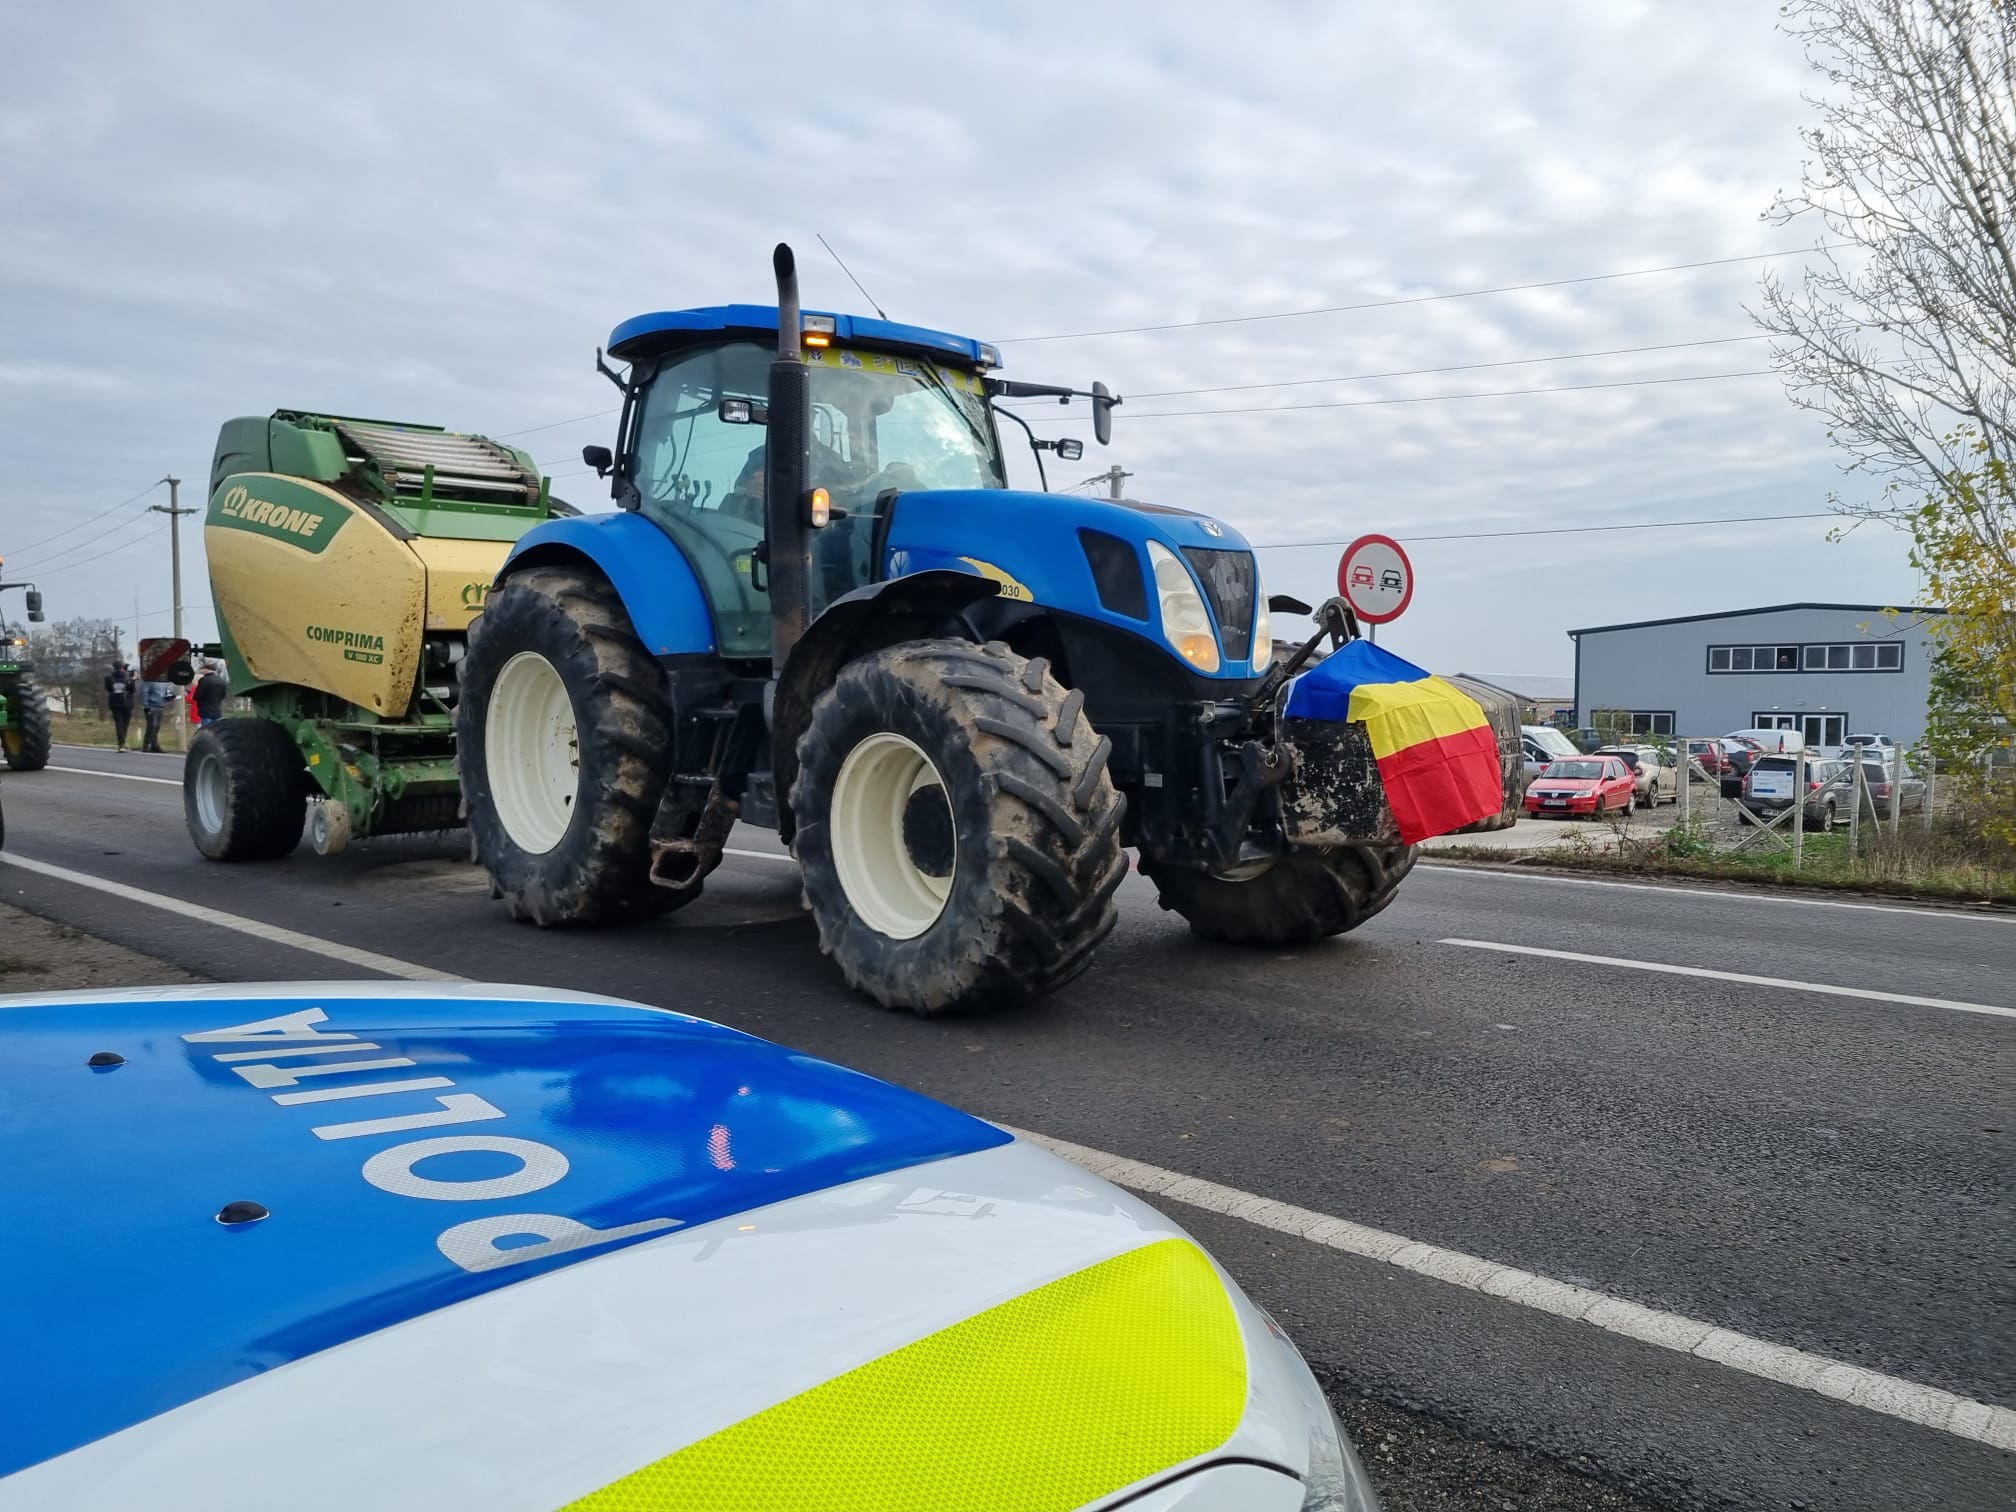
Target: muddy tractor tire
(26, 740)
(956, 826)
(1304, 896)
(564, 746)
(244, 790)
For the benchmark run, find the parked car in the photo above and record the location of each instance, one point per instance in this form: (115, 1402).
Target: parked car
(1781, 741)
(1594, 785)
(1542, 744)
(1656, 782)
(1712, 757)
(1830, 791)
(1741, 754)
(1587, 739)
(1867, 740)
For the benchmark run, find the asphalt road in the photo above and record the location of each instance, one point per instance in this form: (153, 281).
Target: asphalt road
(1821, 1172)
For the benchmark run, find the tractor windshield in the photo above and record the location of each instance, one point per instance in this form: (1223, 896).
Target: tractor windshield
(879, 422)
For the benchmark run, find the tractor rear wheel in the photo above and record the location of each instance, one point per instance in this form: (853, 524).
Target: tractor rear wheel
(957, 830)
(26, 741)
(563, 738)
(1303, 896)
(244, 790)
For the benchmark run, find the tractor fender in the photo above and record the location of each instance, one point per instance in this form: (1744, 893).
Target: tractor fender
(660, 591)
(881, 614)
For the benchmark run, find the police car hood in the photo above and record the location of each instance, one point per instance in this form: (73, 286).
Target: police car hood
(496, 1248)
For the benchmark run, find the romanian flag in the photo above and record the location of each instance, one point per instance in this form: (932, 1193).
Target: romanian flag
(1437, 754)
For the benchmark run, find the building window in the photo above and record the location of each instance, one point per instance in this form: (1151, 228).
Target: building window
(1850, 656)
(1818, 730)
(1615, 724)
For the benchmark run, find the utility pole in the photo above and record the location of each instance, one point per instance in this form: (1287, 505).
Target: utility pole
(174, 511)
(1113, 475)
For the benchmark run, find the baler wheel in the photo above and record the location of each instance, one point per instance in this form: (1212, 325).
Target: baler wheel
(957, 829)
(1303, 896)
(27, 743)
(244, 790)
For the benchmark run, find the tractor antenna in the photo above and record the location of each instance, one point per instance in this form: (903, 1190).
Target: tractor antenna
(850, 276)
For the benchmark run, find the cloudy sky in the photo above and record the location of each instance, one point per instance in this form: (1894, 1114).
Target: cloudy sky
(435, 213)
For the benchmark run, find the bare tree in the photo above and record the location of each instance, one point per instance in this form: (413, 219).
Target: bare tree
(1902, 336)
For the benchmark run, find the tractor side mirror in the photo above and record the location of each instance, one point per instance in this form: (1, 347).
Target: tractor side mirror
(743, 412)
(1282, 603)
(1069, 448)
(34, 598)
(1103, 400)
(600, 458)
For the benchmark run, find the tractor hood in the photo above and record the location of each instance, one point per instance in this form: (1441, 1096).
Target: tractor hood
(1089, 557)
(528, 1245)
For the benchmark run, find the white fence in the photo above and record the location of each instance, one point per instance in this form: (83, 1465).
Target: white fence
(1779, 806)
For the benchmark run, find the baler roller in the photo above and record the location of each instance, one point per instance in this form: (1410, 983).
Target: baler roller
(459, 462)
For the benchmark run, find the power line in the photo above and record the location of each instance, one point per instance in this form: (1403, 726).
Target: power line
(1492, 535)
(86, 546)
(554, 425)
(1558, 388)
(1461, 367)
(97, 557)
(1380, 304)
(19, 550)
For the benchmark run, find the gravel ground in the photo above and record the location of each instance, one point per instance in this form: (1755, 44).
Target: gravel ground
(38, 956)
(1420, 1466)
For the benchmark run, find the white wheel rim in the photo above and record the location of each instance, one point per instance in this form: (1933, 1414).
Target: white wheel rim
(532, 752)
(207, 786)
(885, 886)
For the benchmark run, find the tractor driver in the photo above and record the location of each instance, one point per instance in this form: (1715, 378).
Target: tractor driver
(745, 499)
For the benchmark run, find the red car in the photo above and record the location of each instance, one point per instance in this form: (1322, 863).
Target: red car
(1583, 785)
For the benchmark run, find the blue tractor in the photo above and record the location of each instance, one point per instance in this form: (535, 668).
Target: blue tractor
(820, 609)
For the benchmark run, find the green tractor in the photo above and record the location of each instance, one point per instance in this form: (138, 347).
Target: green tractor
(24, 707)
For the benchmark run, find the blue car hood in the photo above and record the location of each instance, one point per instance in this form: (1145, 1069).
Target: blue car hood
(409, 1151)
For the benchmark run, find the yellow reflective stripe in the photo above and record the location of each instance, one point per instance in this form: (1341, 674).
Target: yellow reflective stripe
(1054, 1399)
(1399, 715)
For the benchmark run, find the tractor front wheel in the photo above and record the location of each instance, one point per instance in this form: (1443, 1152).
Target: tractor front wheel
(26, 742)
(563, 742)
(1291, 900)
(957, 830)
(244, 790)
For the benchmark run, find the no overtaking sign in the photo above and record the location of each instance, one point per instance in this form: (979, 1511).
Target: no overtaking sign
(1376, 578)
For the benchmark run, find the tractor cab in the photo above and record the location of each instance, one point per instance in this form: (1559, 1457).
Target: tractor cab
(893, 408)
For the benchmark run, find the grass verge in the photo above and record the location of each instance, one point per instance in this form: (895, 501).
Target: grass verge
(1942, 864)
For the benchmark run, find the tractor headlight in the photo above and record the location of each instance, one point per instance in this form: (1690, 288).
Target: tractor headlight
(1263, 622)
(1186, 623)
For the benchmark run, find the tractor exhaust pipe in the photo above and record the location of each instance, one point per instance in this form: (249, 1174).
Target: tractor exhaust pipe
(786, 512)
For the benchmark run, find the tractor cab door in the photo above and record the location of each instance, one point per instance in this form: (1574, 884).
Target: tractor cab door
(700, 480)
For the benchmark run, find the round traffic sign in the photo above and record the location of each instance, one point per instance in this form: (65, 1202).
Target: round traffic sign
(1376, 578)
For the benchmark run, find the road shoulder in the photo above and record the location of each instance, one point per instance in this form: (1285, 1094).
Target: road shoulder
(40, 955)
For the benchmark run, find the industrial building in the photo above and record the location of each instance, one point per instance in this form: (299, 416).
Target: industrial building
(1824, 670)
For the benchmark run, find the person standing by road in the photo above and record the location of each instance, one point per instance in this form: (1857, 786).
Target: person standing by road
(154, 698)
(119, 701)
(211, 690)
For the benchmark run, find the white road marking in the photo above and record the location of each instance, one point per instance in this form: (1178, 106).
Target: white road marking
(1826, 988)
(729, 850)
(1890, 1395)
(1987, 916)
(349, 955)
(119, 776)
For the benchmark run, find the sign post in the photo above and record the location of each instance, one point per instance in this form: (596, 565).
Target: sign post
(1376, 580)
